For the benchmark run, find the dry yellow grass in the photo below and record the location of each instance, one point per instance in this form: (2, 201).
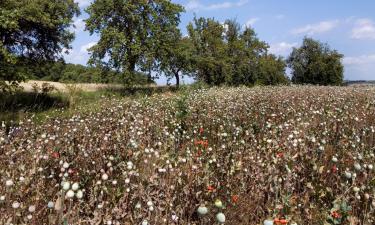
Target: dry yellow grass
(61, 87)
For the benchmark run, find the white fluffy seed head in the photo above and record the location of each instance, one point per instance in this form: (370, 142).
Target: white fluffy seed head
(75, 186)
(9, 183)
(202, 210)
(32, 208)
(66, 185)
(70, 194)
(220, 217)
(105, 176)
(15, 205)
(79, 194)
(66, 165)
(50, 204)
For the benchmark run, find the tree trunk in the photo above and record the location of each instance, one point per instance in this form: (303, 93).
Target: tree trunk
(177, 80)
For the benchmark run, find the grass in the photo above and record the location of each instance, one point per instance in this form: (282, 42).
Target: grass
(41, 106)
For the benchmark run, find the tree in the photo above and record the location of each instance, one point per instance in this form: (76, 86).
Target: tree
(244, 53)
(209, 61)
(315, 63)
(32, 29)
(176, 58)
(131, 32)
(271, 70)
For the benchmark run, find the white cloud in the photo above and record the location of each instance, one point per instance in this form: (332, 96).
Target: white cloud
(196, 5)
(78, 57)
(83, 3)
(84, 48)
(360, 67)
(282, 48)
(251, 22)
(317, 28)
(364, 29)
(360, 60)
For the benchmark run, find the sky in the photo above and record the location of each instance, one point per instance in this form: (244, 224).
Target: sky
(346, 25)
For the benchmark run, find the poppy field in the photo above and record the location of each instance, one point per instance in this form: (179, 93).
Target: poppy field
(265, 155)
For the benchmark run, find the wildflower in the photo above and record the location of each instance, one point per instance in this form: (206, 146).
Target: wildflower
(144, 222)
(202, 210)
(2, 198)
(66, 185)
(334, 159)
(70, 194)
(105, 176)
(235, 198)
(218, 203)
(210, 188)
(75, 186)
(79, 194)
(348, 175)
(357, 166)
(280, 221)
(9, 183)
(220, 217)
(15, 205)
(66, 165)
(129, 165)
(55, 155)
(268, 222)
(335, 215)
(32, 208)
(50, 204)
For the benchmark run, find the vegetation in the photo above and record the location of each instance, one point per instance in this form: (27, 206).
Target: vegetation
(142, 38)
(297, 154)
(131, 32)
(35, 29)
(315, 63)
(60, 71)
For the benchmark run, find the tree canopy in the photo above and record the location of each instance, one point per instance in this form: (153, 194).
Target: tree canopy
(315, 63)
(227, 54)
(33, 29)
(131, 31)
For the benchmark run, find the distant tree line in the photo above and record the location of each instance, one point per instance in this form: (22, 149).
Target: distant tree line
(140, 40)
(60, 71)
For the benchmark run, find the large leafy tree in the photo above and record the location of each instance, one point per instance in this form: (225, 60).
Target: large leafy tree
(132, 32)
(244, 51)
(315, 63)
(32, 30)
(209, 60)
(176, 57)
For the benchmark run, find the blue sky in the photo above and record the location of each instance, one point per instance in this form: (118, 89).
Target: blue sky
(346, 25)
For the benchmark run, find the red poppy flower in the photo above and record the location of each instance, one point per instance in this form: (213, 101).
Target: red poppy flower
(235, 198)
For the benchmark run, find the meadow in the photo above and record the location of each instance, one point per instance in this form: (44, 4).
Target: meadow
(263, 155)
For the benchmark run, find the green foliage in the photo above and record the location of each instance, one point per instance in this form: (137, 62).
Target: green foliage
(131, 32)
(175, 57)
(340, 212)
(34, 29)
(209, 50)
(315, 63)
(59, 71)
(225, 54)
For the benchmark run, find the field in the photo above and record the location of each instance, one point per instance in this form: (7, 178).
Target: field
(292, 155)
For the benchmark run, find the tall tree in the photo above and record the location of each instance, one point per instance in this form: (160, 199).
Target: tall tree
(131, 32)
(176, 58)
(315, 63)
(32, 29)
(209, 50)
